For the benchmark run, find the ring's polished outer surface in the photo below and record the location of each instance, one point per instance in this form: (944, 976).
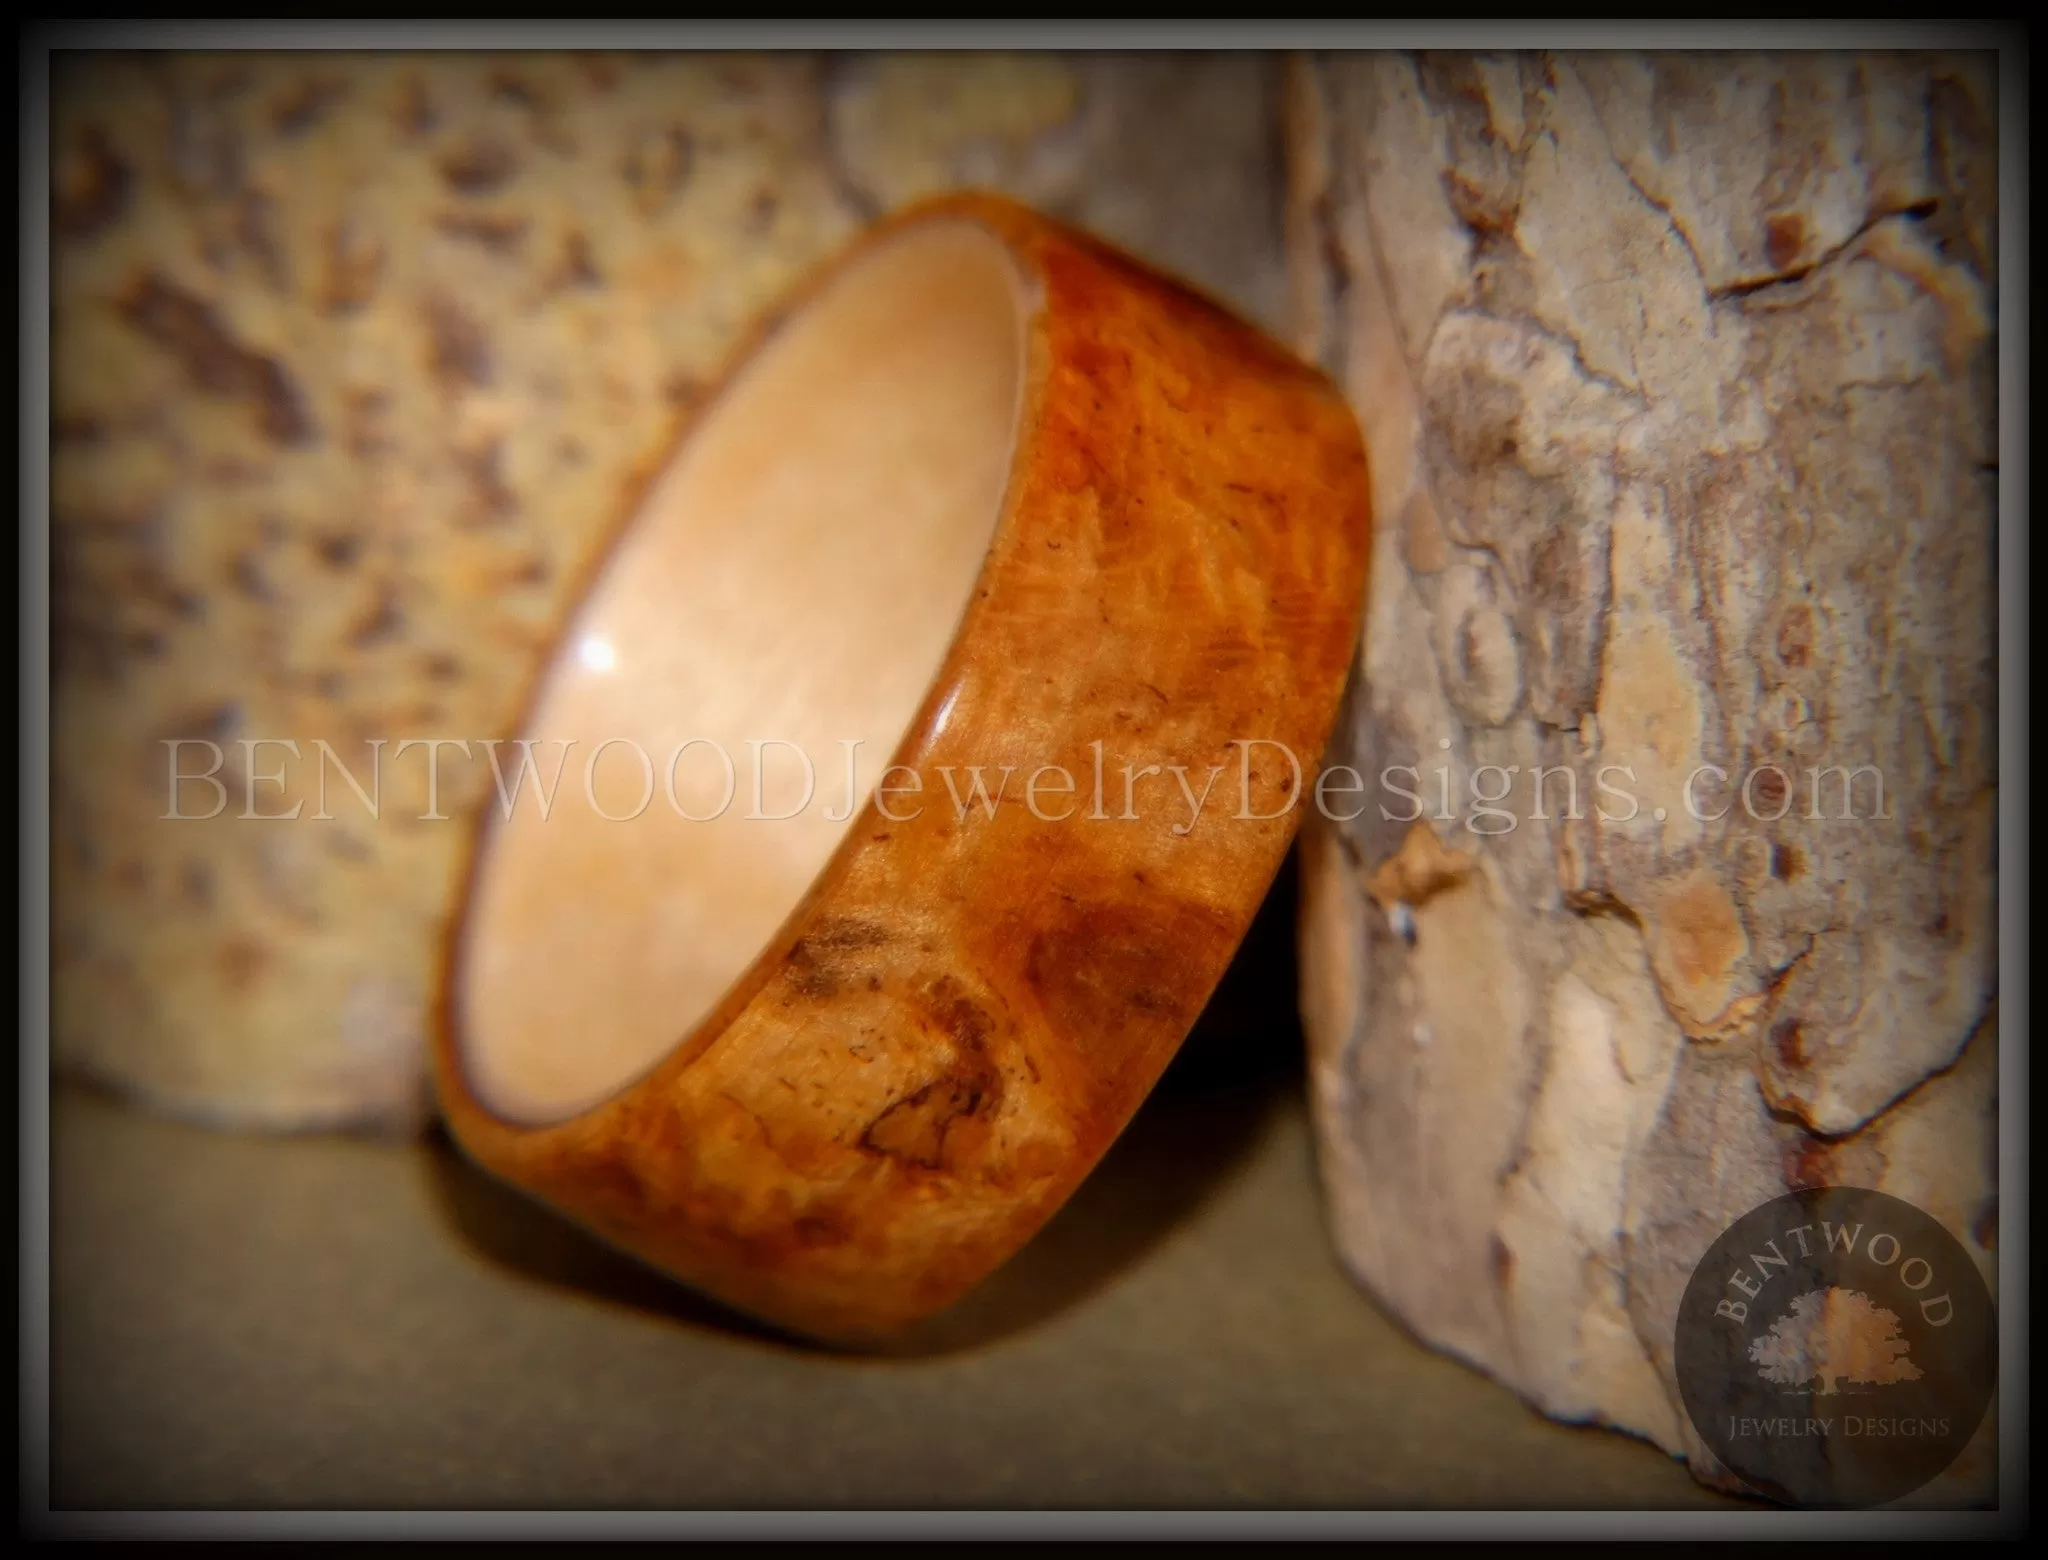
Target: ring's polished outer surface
(958, 1015)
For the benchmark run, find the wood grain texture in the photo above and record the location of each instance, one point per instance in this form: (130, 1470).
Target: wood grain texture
(1677, 379)
(964, 1011)
(352, 354)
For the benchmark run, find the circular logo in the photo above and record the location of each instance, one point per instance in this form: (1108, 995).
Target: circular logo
(1836, 1348)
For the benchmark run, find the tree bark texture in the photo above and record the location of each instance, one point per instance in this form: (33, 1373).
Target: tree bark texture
(1677, 377)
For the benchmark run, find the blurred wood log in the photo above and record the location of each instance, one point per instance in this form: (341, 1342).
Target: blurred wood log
(1677, 378)
(352, 357)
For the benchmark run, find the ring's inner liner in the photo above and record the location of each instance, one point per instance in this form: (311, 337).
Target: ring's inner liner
(790, 586)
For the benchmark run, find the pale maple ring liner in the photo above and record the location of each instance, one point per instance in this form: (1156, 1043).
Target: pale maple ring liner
(987, 492)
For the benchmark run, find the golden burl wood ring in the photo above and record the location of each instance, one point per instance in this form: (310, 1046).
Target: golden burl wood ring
(757, 998)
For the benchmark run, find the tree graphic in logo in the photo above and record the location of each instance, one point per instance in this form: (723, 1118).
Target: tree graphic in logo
(1831, 1336)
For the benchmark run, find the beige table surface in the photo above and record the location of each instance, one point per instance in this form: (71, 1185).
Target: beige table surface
(334, 1323)
(345, 1324)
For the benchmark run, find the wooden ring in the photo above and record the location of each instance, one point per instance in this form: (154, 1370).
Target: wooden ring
(988, 493)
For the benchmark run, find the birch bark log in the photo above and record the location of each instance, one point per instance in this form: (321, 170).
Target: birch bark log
(1677, 374)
